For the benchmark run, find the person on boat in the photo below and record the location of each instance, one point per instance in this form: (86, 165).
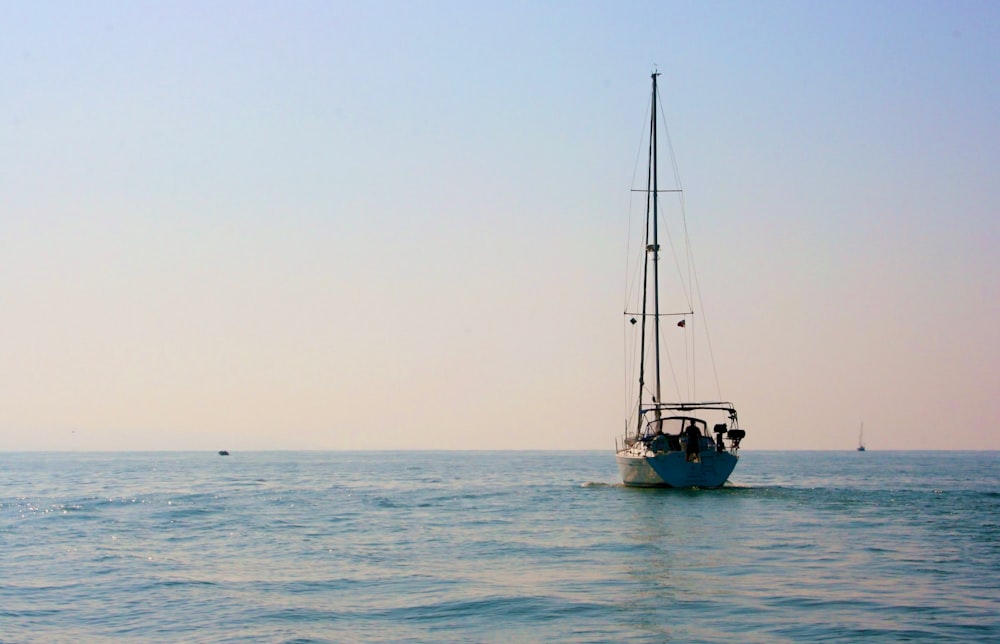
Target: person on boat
(693, 441)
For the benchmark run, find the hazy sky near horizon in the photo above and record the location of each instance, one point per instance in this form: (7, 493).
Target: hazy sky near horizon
(368, 225)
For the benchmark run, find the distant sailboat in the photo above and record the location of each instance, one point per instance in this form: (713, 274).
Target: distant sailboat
(861, 438)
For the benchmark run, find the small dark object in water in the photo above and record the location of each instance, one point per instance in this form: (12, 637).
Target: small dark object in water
(223, 452)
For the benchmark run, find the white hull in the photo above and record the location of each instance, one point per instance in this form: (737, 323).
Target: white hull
(672, 469)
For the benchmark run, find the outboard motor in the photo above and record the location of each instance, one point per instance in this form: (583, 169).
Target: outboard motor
(719, 430)
(736, 435)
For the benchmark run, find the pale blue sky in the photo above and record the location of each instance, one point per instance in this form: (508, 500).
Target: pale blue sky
(260, 225)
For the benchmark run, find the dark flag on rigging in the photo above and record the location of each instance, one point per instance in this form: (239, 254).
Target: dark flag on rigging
(681, 324)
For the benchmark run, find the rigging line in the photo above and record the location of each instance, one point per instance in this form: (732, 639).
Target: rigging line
(708, 338)
(631, 274)
(670, 148)
(670, 362)
(633, 354)
(658, 330)
(627, 376)
(675, 168)
(694, 285)
(633, 282)
(693, 346)
(632, 286)
(631, 203)
(679, 191)
(694, 292)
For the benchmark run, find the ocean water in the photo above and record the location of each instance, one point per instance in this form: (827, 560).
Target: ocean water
(496, 547)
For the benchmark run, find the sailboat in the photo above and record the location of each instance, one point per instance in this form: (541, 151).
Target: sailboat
(679, 444)
(861, 438)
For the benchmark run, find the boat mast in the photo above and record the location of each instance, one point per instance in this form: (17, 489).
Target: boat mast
(652, 248)
(655, 247)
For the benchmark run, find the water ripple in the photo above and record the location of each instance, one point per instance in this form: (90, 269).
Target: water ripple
(314, 547)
